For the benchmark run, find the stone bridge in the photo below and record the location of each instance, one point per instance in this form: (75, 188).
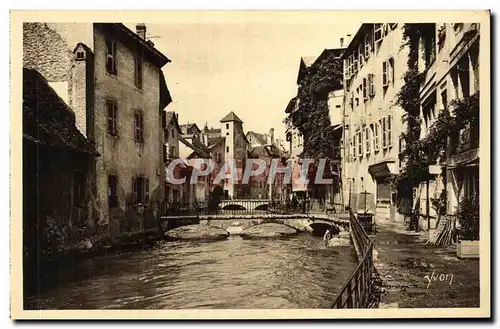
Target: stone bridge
(235, 224)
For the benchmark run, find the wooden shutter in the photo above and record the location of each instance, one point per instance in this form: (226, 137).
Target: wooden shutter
(367, 140)
(384, 134)
(346, 69)
(365, 91)
(389, 133)
(134, 190)
(384, 74)
(377, 32)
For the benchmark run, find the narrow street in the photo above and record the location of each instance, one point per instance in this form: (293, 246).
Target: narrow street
(403, 260)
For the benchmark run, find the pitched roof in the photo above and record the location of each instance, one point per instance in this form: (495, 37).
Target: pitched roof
(47, 119)
(148, 46)
(231, 116)
(171, 116)
(188, 126)
(261, 138)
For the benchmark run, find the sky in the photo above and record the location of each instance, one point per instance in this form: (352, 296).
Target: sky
(246, 66)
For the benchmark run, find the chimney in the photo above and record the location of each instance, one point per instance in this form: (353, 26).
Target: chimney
(141, 30)
(341, 42)
(270, 137)
(348, 40)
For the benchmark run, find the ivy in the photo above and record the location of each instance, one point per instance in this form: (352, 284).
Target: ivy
(312, 118)
(419, 153)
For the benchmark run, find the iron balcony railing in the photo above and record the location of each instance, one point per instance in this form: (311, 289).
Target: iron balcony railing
(356, 291)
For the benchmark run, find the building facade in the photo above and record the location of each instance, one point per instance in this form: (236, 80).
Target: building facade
(373, 69)
(451, 73)
(111, 78)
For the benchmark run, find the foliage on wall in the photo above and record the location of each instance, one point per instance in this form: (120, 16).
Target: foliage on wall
(420, 153)
(312, 118)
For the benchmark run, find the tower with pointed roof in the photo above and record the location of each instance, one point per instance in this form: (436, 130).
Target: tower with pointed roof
(235, 148)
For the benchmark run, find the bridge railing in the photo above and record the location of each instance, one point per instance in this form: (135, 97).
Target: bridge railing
(233, 207)
(356, 291)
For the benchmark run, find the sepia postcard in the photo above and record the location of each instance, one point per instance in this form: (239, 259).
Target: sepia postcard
(250, 164)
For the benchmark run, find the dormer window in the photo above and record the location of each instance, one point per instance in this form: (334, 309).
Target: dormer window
(80, 52)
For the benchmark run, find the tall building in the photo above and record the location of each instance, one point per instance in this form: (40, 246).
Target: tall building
(373, 69)
(111, 79)
(450, 63)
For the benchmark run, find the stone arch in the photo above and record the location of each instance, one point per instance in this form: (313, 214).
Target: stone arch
(264, 206)
(233, 206)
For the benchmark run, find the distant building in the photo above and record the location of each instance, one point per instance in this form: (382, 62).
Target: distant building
(111, 79)
(226, 144)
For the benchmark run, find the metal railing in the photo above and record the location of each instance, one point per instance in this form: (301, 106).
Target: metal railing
(356, 291)
(233, 207)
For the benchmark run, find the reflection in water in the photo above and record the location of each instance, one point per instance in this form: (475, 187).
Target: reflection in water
(296, 272)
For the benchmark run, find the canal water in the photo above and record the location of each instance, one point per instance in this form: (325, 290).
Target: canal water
(293, 272)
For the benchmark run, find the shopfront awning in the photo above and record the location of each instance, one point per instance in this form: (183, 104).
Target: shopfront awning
(382, 169)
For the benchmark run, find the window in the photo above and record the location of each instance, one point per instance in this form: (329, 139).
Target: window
(429, 43)
(227, 125)
(111, 57)
(112, 117)
(227, 149)
(368, 45)
(377, 33)
(360, 55)
(140, 190)
(78, 189)
(464, 76)
(138, 127)
(227, 133)
(371, 85)
(367, 140)
(387, 72)
(384, 133)
(112, 191)
(338, 106)
(389, 132)
(138, 71)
